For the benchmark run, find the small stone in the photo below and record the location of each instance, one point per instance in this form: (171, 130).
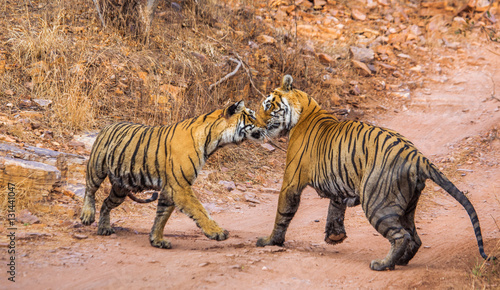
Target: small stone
(358, 15)
(199, 56)
(335, 82)
(26, 217)
(265, 39)
(325, 58)
(362, 66)
(270, 190)
(35, 125)
(6, 138)
(250, 197)
(80, 236)
(268, 147)
(362, 54)
(76, 144)
(264, 268)
(228, 185)
(42, 103)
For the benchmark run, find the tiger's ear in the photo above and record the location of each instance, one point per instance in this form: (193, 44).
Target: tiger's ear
(286, 84)
(235, 108)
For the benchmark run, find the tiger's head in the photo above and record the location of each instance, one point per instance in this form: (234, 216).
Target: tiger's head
(281, 110)
(240, 123)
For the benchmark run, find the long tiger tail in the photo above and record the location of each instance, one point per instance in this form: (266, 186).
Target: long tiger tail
(153, 197)
(440, 179)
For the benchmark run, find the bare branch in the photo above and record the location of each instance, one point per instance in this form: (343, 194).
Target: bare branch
(228, 75)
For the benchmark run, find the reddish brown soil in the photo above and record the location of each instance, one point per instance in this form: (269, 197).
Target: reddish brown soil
(453, 124)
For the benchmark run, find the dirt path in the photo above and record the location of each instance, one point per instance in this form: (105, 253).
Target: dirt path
(439, 119)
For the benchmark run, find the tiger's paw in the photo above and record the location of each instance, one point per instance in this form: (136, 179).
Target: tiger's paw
(220, 235)
(335, 239)
(87, 216)
(105, 231)
(266, 241)
(379, 265)
(162, 244)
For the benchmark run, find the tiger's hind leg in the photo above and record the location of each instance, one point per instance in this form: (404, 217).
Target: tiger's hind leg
(408, 221)
(386, 219)
(390, 227)
(115, 198)
(414, 243)
(334, 229)
(164, 210)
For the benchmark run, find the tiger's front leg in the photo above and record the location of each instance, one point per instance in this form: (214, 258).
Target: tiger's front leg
(288, 203)
(186, 202)
(334, 229)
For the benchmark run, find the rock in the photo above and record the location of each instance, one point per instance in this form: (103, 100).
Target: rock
(228, 185)
(250, 197)
(304, 4)
(199, 56)
(76, 144)
(26, 217)
(335, 82)
(270, 190)
(265, 39)
(80, 236)
(33, 175)
(7, 138)
(268, 147)
(362, 54)
(72, 167)
(325, 58)
(363, 67)
(42, 103)
(318, 4)
(355, 90)
(358, 15)
(88, 138)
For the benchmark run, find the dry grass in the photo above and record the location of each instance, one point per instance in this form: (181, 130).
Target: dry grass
(486, 274)
(25, 197)
(58, 51)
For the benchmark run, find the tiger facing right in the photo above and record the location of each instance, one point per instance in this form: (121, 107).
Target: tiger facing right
(351, 163)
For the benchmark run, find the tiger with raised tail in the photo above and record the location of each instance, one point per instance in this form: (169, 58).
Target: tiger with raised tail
(351, 163)
(162, 158)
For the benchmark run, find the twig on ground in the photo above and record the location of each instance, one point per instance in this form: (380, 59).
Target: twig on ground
(247, 68)
(274, 144)
(99, 13)
(212, 86)
(245, 65)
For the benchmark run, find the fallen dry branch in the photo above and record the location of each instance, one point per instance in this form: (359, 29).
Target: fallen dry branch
(212, 86)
